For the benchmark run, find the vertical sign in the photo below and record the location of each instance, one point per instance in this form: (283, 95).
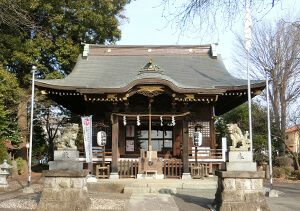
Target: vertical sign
(87, 137)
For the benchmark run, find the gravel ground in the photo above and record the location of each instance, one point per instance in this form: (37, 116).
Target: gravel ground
(98, 203)
(107, 204)
(17, 203)
(30, 202)
(13, 197)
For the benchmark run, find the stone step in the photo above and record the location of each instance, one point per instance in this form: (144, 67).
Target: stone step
(162, 190)
(151, 186)
(166, 189)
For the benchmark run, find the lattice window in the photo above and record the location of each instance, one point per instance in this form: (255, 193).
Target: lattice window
(205, 129)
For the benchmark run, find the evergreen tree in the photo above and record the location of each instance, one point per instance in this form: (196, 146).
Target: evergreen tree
(239, 116)
(50, 38)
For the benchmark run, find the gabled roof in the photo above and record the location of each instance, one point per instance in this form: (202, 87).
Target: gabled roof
(116, 69)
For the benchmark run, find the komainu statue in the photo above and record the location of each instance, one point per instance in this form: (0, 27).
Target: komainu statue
(240, 141)
(66, 138)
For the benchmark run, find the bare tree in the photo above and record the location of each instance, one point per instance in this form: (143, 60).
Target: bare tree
(275, 54)
(13, 14)
(201, 14)
(52, 117)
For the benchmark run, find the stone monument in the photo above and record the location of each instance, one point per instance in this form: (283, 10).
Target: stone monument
(240, 187)
(151, 166)
(240, 158)
(65, 185)
(66, 154)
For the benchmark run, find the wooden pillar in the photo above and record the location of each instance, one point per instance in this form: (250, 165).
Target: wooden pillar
(114, 147)
(212, 129)
(185, 150)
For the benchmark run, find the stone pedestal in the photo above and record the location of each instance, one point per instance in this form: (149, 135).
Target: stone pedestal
(65, 190)
(240, 161)
(239, 191)
(114, 175)
(186, 176)
(66, 159)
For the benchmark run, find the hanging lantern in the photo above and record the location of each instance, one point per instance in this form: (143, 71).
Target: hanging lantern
(124, 120)
(161, 121)
(173, 121)
(101, 138)
(197, 139)
(138, 121)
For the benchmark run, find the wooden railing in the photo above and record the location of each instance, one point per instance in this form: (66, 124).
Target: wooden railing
(199, 170)
(206, 154)
(128, 168)
(172, 168)
(97, 154)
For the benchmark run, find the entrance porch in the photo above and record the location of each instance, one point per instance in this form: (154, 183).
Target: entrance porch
(208, 160)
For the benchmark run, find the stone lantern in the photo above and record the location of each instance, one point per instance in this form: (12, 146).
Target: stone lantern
(4, 172)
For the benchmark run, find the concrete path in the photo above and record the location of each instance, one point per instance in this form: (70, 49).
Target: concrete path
(289, 199)
(191, 200)
(151, 202)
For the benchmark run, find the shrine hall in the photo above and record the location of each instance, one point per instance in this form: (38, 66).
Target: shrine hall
(151, 99)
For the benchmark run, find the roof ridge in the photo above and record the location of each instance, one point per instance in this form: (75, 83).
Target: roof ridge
(146, 46)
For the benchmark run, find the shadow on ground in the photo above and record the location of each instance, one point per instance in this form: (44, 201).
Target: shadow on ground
(192, 202)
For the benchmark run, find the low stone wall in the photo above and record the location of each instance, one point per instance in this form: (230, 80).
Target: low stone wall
(240, 191)
(64, 190)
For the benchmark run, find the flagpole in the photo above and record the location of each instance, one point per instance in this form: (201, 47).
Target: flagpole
(269, 136)
(249, 103)
(31, 127)
(247, 30)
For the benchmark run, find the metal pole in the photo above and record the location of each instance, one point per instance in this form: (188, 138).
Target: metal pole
(269, 134)
(196, 154)
(150, 122)
(31, 127)
(249, 103)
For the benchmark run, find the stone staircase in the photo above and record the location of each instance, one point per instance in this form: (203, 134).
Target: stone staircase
(168, 186)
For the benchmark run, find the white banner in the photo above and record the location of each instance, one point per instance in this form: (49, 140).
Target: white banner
(87, 137)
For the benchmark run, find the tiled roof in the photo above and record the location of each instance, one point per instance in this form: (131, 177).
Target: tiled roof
(118, 68)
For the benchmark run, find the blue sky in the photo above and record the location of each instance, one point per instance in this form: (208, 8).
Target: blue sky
(147, 26)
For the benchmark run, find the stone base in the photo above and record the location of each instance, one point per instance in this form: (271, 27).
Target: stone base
(240, 191)
(65, 164)
(240, 161)
(114, 175)
(66, 154)
(64, 190)
(240, 156)
(272, 194)
(91, 178)
(241, 166)
(150, 176)
(186, 176)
